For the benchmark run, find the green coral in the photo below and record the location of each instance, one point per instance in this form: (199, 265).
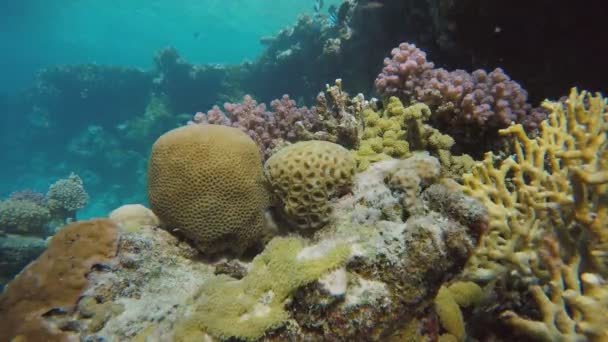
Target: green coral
(248, 307)
(23, 217)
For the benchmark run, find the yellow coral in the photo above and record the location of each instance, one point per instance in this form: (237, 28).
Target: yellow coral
(305, 176)
(247, 308)
(548, 214)
(448, 302)
(398, 131)
(206, 182)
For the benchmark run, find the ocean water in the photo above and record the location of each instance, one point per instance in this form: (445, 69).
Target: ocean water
(40, 34)
(394, 170)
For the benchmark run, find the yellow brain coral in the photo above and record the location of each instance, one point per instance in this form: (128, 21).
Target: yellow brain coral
(206, 182)
(305, 176)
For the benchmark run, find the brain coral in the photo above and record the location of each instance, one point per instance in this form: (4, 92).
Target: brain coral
(206, 181)
(305, 176)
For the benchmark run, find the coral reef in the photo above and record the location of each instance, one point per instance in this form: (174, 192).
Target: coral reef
(354, 279)
(205, 182)
(548, 224)
(182, 83)
(77, 96)
(468, 107)
(32, 304)
(305, 176)
(27, 218)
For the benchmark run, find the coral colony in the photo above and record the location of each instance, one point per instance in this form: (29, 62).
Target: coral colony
(446, 209)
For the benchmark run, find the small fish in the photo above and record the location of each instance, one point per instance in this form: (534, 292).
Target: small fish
(196, 35)
(372, 5)
(318, 6)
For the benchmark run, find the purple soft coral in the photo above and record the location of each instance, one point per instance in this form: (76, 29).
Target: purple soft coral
(467, 106)
(269, 129)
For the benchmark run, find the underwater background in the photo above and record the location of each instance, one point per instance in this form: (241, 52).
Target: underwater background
(303, 170)
(42, 34)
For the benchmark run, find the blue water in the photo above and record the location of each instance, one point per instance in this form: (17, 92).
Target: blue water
(35, 34)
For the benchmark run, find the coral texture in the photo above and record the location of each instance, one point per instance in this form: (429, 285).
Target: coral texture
(390, 189)
(248, 307)
(398, 131)
(332, 119)
(548, 223)
(305, 176)
(66, 196)
(23, 217)
(466, 106)
(54, 282)
(131, 217)
(267, 129)
(206, 182)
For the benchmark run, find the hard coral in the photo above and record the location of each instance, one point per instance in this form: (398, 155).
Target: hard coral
(549, 219)
(131, 217)
(51, 285)
(247, 308)
(305, 176)
(398, 131)
(268, 129)
(205, 181)
(66, 196)
(23, 217)
(466, 106)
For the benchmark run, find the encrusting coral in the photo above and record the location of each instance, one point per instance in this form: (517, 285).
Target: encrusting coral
(548, 222)
(248, 307)
(206, 182)
(305, 176)
(32, 304)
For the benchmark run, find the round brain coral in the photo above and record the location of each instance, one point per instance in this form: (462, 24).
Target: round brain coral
(305, 176)
(206, 181)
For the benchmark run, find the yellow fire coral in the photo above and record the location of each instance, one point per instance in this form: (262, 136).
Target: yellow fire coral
(549, 219)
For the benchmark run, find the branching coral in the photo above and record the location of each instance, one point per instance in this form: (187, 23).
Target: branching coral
(466, 106)
(398, 131)
(549, 218)
(332, 119)
(66, 196)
